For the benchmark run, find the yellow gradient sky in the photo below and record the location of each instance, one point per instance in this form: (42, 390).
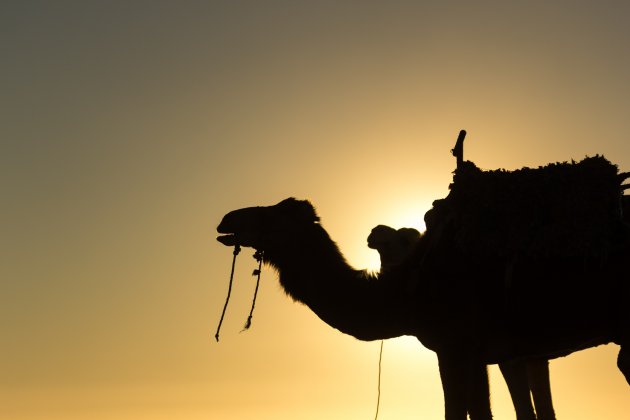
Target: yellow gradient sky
(128, 128)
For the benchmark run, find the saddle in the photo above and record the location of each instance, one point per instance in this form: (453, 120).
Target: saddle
(568, 209)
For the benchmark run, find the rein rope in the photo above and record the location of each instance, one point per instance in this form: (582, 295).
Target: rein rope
(237, 250)
(259, 257)
(378, 396)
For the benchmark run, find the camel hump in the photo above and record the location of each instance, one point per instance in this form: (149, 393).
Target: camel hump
(562, 209)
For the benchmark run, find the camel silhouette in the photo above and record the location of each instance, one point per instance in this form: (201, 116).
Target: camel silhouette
(393, 245)
(453, 303)
(522, 377)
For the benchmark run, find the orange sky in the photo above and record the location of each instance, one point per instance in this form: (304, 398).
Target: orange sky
(130, 128)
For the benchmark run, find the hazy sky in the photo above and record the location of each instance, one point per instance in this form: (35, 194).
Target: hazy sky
(128, 128)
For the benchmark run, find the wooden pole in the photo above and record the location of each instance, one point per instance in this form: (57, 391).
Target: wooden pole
(458, 150)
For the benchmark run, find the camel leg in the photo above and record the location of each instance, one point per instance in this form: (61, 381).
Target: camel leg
(463, 385)
(453, 376)
(623, 361)
(538, 377)
(478, 392)
(515, 375)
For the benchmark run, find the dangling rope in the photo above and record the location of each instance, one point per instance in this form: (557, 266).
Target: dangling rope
(237, 249)
(258, 255)
(378, 397)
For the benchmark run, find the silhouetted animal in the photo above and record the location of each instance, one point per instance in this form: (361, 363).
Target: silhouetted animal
(455, 305)
(393, 247)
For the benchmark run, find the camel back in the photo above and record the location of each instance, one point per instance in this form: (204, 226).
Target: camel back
(562, 209)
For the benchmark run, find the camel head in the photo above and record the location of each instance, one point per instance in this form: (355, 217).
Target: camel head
(381, 236)
(260, 227)
(393, 245)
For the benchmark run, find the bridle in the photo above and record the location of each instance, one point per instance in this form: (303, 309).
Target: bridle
(258, 256)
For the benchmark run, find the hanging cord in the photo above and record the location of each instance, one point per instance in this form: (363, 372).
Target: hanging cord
(378, 397)
(258, 255)
(237, 249)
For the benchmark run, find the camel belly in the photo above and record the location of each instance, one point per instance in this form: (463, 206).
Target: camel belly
(510, 345)
(548, 310)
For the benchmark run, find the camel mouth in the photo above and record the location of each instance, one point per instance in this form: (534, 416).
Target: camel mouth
(227, 240)
(241, 227)
(229, 234)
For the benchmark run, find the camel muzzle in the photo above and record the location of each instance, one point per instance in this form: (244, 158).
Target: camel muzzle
(241, 227)
(227, 240)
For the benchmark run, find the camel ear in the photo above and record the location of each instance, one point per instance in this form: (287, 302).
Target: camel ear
(301, 211)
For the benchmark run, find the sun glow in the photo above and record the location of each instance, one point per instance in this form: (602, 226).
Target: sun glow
(402, 216)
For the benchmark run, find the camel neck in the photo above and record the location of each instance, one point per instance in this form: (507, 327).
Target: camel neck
(313, 271)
